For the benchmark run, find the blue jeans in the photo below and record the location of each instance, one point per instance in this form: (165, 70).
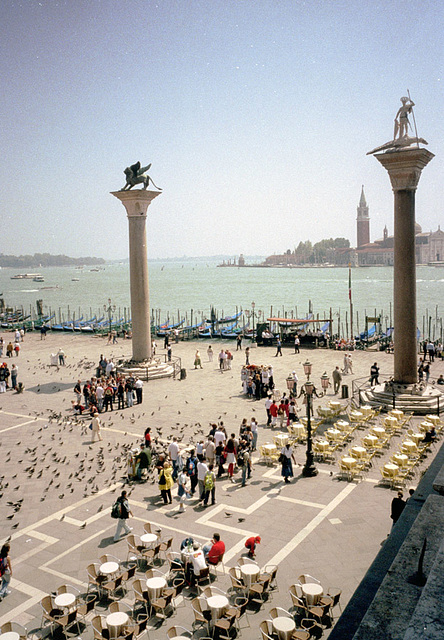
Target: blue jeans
(5, 584)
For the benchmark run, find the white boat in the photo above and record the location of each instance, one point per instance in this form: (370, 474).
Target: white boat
(38, 279)
(26, 276)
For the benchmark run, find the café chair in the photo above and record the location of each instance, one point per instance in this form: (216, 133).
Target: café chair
(111, 587)
(15, 627)
(202, 576)
(216, 564)
(335, 595)
(300, 634)
(134, 550)
(109, 558)
(257, 592)
(151, 573)
(85, 604)
(99, 628)
(201, 616)
(128, 571)
(296, 593)
(56, 616)
(240, 609)
(160, 605)
(266, 629)
(269, 572)
(222, 627)
(94, 578)
(237, 583)
(141, 595)
(277, 612)
(315, 630)
(115, 607)
(307, 578)
(150, 555)
(246, 560)
(165, 546)
(213, 591)
(175, 564)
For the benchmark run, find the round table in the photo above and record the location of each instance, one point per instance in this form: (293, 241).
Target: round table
(401, 459)
(11, 635)
(64, 600)
(359, 452)
(298, 429)
(180, 638)
(155, 586)
(370, 440)
(378, 431)
(283, 627)
(334, 405)
(392, 469)
(269, 448)
(366, 409)
(325, 412)
(108, 568)
(433, 419)
(409, 445)
(322, 445)
(356, 416)
(397, 413)
(416, 437)
(281, 439)
(148, 539)
(426, 425)
(249, 573)
(217, 605)
(115, 623)
(312, 591)
(348, 462)
(390, 421)
(342, 425)
(333, 434)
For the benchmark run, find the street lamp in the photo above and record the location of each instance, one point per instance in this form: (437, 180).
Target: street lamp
(325, 382)
(308, 389)
(253, 304)
(109, 309)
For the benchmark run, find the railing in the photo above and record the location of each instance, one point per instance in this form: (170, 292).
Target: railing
(175, 362)
(360, 383)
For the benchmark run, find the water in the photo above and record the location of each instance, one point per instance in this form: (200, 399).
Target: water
(176, 288)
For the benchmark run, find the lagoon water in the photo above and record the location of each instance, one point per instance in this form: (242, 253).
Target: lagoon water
(179, 287)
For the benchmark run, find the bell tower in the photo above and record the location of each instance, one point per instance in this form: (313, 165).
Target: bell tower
(362, 222)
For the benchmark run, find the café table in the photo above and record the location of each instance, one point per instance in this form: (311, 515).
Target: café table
(390, 421)
(269, 448)
(356, 416)
(64, 600)
(333, 434)
(426, 425)
(283, 627)
(366, 409)
(359, 452)
(148, 539)
(370, 440)
(392, 469)
(409, 446)
(298, 430)
(416, 437)
(10, 635)
(400, 459)
(249, 573)
(312, 592)
(155, 586)
(342, 425)
(108, 568)
(281, 439)
(322, 445)
(378, 431)
(217, 605)
(115, 623)
(335, 405)
(397, 413)
(325, 412)
(433, 419)
(349, 462)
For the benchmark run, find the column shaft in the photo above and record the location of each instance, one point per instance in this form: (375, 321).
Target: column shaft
(140, 303)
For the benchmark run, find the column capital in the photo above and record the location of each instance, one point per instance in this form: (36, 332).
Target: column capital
(404, 167)
(136, 201)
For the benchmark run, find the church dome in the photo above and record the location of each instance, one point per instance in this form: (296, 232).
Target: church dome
(418, 228)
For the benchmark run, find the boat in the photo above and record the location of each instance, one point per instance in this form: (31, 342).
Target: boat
(38, 279)
(227, 319)
(75, 279)
(207, 331)
(26, 276)
(165, 328)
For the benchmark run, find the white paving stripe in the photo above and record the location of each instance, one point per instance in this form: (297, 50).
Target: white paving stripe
(34, 596)
(16, 426)
(311, 526)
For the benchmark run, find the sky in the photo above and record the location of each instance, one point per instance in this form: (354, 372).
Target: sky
(255, 114)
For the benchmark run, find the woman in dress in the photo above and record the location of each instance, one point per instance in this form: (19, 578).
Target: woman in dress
(230, 451)
(95, 423)
(5, 570)
(287, 456)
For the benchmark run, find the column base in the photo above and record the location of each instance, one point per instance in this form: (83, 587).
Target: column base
(147, 370)
(420, 398)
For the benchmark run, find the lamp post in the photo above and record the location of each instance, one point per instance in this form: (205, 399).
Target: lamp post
(109, 309)
(253, 304)
(290, 384)
(308, 389)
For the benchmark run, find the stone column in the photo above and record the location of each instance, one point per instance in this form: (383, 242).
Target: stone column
(136, 203)
(404, 168)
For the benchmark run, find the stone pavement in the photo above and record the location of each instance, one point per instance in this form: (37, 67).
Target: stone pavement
(328, 528)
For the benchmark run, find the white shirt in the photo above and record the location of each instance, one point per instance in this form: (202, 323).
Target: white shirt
(138, 384)
(198, 560)
(253, 426)
(202, 469)
(99, 392)
(219, 438)
(268, 403)
(173, 451)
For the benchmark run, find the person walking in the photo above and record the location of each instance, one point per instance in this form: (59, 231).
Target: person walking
(337, 379)
(278, 348)
(210, 354)
(14, 373)
(297, 344)
(191, 470)
(286, 458)
(125, 513)
(202, 470)
(95, 426)
(247, 356)
(166, 483)
(5, 570)
(197, 360)
(209, 486)
(138, 386)
(239, 342)
(230, 451)
(374, 374)
(61, 356)
(397, 507)
(182, 493)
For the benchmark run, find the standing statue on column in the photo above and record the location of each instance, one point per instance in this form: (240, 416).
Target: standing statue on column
(134, 175)
(402, 118)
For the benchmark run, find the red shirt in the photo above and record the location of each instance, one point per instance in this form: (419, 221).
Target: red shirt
(216, 552)
(274, 410)
(250, 544)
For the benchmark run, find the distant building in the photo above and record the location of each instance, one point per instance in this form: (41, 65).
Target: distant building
(362, 222)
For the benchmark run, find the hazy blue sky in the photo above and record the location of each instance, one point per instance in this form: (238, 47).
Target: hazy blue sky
(256, 115)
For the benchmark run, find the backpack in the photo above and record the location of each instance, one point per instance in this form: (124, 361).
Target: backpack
(116, 510)
(191, 467)
(209, 482)
(240, 459)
